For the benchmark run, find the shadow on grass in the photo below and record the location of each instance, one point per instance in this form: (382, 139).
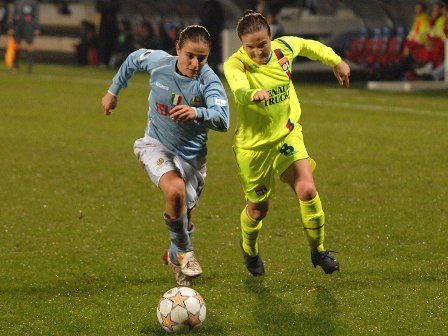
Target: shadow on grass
(208, 328)
(276, 316)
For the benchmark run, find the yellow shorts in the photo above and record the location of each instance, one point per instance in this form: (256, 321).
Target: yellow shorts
(257, 168)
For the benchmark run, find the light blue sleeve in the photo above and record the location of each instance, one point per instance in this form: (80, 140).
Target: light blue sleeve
(139, 60)
(216, 113)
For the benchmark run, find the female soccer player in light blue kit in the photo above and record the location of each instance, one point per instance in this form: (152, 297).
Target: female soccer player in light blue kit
(186, 100)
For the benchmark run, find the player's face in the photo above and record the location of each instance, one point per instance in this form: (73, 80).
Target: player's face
(192, 57)
(257, 45)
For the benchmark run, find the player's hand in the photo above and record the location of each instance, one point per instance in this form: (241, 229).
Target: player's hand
(260, 96)
(182, 113)
(342, 73)
(108, 103)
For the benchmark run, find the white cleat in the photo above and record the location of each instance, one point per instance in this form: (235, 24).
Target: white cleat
(189, 264)
(181, 279)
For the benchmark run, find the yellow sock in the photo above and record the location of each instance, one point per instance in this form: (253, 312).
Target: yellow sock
(313, 219)
(250, 229)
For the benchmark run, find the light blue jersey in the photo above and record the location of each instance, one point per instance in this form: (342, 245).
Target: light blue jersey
(168, 88)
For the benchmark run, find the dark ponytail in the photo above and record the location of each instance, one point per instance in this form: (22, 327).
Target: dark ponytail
(194, 33)
(252, 22)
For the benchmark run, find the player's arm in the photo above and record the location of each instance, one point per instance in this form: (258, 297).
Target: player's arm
(140, 60)
(215, 114)
(317, 51)
(236, 77)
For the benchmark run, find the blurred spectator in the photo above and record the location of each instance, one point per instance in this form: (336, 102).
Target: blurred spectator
(418, 33)
(108, 28)
(62, 7)
(432, 53)
(438, 73)
(87, 48)
(170, 35)
(211, 16)
(276, 27)
(25, 26)
(124, 45)
(4, 16)
(145, 36)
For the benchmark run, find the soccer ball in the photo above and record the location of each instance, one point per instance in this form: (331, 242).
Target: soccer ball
(181, 309)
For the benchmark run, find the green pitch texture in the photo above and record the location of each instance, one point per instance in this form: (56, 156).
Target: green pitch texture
(81, 230)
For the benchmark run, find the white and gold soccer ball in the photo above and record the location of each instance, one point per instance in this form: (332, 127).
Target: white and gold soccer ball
(181, 309)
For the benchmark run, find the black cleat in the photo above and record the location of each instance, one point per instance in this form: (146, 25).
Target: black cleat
(325, 260)
(254, 264)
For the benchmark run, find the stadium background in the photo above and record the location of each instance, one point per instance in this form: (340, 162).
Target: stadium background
(333, 22)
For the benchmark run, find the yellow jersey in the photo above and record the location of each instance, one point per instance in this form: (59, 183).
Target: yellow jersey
(264, 124)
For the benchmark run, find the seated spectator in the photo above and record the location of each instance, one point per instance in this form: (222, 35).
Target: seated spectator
(433, 52)
(418, 33)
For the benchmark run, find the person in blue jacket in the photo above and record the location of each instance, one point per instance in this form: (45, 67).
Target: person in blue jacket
(186, 100)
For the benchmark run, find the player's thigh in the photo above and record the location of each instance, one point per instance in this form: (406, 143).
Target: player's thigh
(256, 173)
(290, 150)
(158, 161)
(155, 159)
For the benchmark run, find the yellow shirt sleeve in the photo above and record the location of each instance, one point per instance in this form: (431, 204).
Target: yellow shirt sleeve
(235, 73)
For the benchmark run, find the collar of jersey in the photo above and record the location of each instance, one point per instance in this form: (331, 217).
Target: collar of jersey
(269, 58)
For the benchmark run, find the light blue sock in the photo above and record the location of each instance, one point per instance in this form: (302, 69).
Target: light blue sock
(180, 236)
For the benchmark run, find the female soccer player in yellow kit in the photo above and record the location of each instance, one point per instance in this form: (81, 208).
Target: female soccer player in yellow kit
(268, 139)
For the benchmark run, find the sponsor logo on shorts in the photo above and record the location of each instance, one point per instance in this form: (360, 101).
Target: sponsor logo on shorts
(261, 190)
(160, 161)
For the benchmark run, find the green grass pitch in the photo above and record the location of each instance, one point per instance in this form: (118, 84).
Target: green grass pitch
(81, 230)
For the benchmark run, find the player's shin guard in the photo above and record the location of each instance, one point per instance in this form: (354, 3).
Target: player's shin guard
(180, 236)
(313, 219)
(250, 229)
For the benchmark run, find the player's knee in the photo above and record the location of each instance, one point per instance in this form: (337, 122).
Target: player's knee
(258, 211)
(306, 191)
(176, 197)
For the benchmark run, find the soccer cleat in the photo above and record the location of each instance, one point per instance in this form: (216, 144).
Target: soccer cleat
(254, 264)
(325, 260)
(181, 279)
(189, 264)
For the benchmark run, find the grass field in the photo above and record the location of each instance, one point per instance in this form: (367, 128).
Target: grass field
(81, 230)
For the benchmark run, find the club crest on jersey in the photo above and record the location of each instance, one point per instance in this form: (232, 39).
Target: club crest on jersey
(160, 161)
(175, 99)
(196, 101)
(283, 61)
